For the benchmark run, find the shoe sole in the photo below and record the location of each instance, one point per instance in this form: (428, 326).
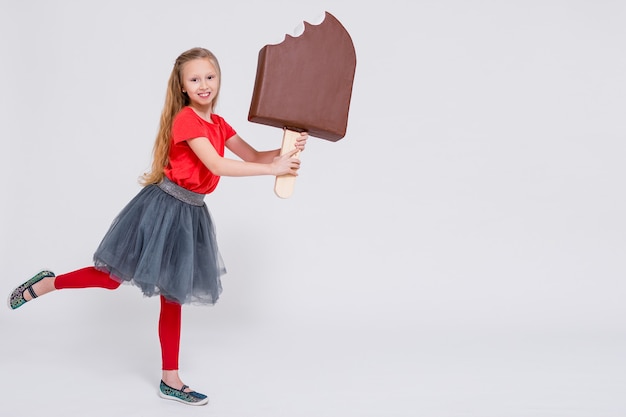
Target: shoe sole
(169, 397)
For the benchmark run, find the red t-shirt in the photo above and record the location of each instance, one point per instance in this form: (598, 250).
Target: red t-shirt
(184, 167)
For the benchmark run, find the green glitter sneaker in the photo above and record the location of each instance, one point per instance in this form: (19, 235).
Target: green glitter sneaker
(190, 398)
(16, 299)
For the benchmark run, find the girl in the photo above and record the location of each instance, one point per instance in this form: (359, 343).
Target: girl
(163, 241)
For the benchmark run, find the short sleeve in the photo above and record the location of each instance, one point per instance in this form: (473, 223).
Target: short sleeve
(228, 131)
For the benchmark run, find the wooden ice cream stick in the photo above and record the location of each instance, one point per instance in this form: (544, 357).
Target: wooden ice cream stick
(284, 185)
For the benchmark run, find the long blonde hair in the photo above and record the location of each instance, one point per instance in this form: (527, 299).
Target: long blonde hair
(175, 100)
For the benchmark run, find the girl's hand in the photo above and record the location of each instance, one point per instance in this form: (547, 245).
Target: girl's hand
(301, 141)
(288, 164)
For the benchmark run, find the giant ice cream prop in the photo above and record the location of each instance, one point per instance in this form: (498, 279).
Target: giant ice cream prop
(305, 83)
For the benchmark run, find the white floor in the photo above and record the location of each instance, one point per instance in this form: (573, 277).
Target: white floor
(87, 360)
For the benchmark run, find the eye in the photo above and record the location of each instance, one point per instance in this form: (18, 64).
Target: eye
(194, 80)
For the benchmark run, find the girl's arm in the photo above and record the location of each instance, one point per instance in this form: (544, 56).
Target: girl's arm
(271, 164)
(242, 149)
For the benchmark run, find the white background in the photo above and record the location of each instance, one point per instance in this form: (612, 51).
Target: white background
(458, 253)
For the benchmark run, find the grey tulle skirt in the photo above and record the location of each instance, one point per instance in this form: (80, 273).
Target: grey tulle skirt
(164, 242)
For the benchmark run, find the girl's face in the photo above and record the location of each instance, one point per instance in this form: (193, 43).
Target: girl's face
(200, 82)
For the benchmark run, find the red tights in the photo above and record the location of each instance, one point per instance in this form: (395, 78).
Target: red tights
(169, 318)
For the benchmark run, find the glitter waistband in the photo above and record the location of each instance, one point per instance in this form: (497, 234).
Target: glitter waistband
(181, 193)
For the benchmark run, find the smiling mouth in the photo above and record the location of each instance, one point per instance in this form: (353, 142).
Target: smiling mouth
(204, 95)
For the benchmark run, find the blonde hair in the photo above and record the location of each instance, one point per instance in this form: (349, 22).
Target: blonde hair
(175, 100)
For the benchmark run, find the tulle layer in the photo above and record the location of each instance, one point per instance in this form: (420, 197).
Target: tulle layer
(164, 246)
